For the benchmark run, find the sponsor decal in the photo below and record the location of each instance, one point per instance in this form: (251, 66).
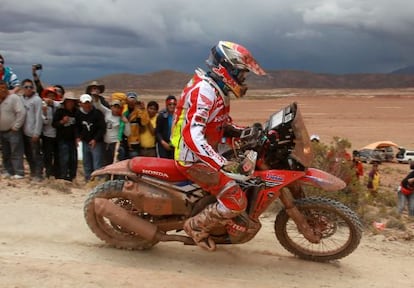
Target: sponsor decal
(247, 166)
(226, 79)
(275, 178)
(206, 100)
(208, 149)
(235, 229)
(272, 184)
(199, 119)
(155, 173)
(238, 227)
(202, 112)
(87, 125)
(221, 118)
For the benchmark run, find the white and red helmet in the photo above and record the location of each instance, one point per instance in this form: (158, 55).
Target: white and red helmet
(230, 62)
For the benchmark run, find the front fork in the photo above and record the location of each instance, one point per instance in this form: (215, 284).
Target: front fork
(294, 213)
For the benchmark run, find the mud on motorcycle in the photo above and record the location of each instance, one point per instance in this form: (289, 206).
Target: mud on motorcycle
(151, 200)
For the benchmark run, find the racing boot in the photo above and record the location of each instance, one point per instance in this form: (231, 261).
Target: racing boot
(199, 226)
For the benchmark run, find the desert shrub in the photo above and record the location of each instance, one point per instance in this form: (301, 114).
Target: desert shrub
(335, 160)
(386, 198)
(395, 223)
(370, 214)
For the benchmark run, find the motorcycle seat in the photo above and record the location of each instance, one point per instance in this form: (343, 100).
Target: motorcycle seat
(156, 167)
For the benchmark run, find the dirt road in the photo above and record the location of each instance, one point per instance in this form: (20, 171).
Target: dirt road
(44, 242)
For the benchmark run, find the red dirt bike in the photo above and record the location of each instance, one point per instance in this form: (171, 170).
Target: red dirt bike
(152, 200)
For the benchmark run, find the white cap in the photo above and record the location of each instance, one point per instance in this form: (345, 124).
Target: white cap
(85, 98)
(315, 137)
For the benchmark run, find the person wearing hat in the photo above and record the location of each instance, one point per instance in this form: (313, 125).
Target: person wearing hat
(32, 130)
(8, 76)
(91, 126)
(58, 89)
(64, 121)
(315, 138)
(95, 90)
(49, 93)
(113, 120)
(49, 143)
(137, 117)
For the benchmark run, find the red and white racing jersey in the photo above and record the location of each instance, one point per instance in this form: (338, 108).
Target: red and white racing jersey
(201, 113)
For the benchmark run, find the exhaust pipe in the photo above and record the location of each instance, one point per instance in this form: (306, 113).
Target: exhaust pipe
(143, 228)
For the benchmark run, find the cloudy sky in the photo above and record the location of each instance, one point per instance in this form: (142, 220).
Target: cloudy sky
(80, 40)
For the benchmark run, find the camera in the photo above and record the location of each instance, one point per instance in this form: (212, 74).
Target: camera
(37, 66)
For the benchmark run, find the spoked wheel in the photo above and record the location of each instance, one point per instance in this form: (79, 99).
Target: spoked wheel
(338, 227)
(107, 231)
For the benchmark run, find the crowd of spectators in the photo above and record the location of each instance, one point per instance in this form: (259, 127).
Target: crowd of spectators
(48, 127)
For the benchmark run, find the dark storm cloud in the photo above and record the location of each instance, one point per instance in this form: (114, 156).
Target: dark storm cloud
(80, 40)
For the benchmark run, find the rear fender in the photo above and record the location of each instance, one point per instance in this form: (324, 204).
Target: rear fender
(120, 168)
(323, 180)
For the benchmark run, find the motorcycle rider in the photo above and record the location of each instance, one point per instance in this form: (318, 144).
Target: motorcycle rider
(201, 122)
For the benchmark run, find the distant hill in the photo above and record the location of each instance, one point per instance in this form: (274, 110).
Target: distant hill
(304, 79)
(409, 70)
(161, 80)
(174, 80)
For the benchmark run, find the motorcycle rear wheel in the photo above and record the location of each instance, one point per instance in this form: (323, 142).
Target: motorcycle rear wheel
(103, 228)
(339, 227)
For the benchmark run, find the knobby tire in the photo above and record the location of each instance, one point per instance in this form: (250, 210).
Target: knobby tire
(103, 228)
(331, 214)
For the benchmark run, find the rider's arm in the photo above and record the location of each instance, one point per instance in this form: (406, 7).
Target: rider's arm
(232, 131)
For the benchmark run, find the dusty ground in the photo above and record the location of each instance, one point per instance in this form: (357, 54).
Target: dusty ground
(44, 241)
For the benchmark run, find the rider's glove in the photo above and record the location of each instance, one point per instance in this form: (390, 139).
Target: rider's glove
(231, 167)
(248, 164)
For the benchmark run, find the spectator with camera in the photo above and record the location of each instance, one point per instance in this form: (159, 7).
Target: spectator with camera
(8, 76)
(60, 91)
(32, 130)
(12, 114)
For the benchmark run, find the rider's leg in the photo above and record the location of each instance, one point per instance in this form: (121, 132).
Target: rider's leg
(231, 202)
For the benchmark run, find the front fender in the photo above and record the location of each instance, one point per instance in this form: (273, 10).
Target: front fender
(323, 180)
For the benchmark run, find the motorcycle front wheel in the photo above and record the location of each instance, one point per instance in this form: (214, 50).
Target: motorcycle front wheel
(339, 228)
(103, 228)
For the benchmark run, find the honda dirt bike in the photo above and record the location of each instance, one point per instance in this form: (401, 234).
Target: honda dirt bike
(153, 199)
